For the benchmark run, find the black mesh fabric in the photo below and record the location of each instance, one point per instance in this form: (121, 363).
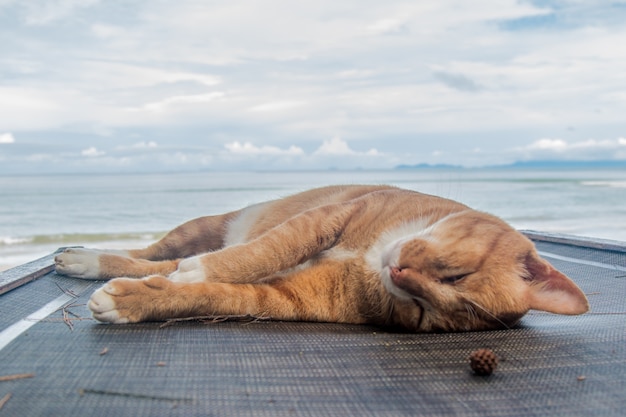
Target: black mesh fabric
(549, 365)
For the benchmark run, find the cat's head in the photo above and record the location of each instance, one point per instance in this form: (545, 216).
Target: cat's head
(472, 271)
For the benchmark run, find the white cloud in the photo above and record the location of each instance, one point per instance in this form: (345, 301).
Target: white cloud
(41, 157)
(407, 77)
(6, 138)
(339, 147)
(248, 148)
(273, 106)
(334, 146)
(560, 145)
(48, 11)
(92, 152)
(549, 144)
(386, 26)
(132, 75)
(165, 104)
(583, 149)
(106, 31)
(143, 145)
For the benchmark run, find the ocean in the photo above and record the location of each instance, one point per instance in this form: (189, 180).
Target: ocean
(39, 214)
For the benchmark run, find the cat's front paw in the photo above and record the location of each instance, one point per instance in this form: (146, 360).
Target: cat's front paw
(103, 306)
(127, 300)
(78, 263)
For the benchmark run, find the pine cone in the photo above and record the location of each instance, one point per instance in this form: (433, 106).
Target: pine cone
(483, 362)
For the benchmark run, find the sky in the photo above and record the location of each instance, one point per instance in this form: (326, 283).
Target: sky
(153, 85)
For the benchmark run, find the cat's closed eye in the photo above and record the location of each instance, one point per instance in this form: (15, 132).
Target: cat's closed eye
(453, 279)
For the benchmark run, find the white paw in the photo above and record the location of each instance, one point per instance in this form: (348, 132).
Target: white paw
(78, 263)
(189, 270)
(102, 306)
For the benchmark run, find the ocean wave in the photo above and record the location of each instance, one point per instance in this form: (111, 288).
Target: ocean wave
(609, 184)
(78, 238)
(16, 251)
(8, 240)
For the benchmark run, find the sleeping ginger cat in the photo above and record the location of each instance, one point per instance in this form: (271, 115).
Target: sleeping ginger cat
(346, 254)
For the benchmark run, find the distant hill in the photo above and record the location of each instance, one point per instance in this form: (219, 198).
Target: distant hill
(544, 164)
(429, 166)
(567, 164)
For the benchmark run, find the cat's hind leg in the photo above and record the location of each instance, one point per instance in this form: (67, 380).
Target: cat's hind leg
(197, 236)
(78, 263)
(96, 264)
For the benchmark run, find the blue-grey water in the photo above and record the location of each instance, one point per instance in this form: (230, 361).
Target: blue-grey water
(41, 213)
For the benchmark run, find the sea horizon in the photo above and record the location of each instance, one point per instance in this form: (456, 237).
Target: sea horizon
(535, 164)
(41, 213)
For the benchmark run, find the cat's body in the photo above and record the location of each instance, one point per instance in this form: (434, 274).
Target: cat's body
(349, 254)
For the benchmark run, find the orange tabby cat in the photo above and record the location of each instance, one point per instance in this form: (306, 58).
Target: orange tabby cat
(346, 254)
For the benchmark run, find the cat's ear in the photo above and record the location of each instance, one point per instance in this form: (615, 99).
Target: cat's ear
(552, 291)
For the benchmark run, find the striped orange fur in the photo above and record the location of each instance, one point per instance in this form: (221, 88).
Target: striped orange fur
(348, 254)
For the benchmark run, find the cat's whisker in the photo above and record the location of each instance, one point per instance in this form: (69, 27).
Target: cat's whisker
(471, 313)
(389, 308)
(489, 313)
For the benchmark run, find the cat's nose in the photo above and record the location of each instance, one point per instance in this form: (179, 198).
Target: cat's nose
(394, 272)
